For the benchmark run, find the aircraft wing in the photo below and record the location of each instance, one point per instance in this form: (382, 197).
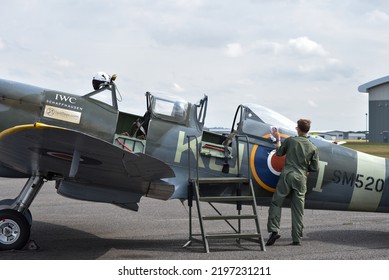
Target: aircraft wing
(81, 159)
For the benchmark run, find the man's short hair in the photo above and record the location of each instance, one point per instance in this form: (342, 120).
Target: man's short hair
(304, 125)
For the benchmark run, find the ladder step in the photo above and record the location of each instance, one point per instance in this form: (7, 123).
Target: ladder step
(229, 217)
(233, 235)
(226, 198)
(222, 180)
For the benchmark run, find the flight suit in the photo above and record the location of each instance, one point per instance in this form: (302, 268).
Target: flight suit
(301, 157)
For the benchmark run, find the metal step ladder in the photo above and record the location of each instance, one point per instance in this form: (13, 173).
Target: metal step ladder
(243, 195)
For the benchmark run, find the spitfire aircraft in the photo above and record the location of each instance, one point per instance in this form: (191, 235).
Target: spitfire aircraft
(94, 152)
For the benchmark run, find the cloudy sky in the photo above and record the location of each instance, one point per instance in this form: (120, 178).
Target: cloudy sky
(302, 58)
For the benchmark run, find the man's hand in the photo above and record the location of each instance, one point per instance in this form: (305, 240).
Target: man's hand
(276, 135)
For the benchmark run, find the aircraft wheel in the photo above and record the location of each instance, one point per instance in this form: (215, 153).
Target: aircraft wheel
(28, 216)
(7, 203)
(14, 230)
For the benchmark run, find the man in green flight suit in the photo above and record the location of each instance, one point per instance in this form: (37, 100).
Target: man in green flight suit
(301, 157)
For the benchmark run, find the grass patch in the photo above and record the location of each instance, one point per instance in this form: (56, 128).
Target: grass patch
(377, 149)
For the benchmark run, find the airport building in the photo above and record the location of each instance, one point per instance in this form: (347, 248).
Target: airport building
(378, 109)
(336, 135)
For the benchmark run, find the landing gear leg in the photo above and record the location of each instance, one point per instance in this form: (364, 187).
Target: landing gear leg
(14, 223)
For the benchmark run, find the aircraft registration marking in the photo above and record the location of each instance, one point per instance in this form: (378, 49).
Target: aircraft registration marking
(62, 114)
(359, 181)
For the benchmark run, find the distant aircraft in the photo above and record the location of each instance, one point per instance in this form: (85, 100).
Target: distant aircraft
(95, 152)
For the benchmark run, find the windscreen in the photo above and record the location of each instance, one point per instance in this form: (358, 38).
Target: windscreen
(169, 107)
(271, 117)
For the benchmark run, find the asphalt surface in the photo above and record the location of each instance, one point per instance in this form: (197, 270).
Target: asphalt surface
(67, 229)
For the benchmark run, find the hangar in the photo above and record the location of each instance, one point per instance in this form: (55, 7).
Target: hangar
(378, 109)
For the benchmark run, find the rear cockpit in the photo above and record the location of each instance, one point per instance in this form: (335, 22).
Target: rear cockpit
(256, 121)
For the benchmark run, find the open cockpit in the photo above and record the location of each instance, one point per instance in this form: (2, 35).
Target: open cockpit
(173, 112)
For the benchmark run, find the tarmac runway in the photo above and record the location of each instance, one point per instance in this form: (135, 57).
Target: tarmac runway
(67, 229)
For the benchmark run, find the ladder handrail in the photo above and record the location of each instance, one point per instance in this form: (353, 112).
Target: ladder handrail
(248, 154)
(196, 158)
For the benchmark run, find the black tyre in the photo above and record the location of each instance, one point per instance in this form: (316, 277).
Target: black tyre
(9, 202)
(14, 230)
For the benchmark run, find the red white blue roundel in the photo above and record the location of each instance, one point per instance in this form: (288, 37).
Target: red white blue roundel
(266, 167)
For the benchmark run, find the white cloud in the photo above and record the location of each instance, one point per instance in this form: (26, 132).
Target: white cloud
(323, 69)
(301, 45)
(298, 57)
(378, 16)
(309, 68)
(306, 46)
(233, 50)
(266, 46)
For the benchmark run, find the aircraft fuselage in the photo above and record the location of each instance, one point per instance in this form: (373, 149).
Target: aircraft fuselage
(346, 180)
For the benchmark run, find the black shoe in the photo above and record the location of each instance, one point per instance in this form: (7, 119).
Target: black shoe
(296, 243)
(272, 238)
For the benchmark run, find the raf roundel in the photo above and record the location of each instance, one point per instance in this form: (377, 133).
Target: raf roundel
(266, 167)
(275, 163)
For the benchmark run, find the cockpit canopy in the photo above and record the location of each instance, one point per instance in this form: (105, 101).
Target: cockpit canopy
(168, 107)
(175, 109)
(256, 120)
(269, 116)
